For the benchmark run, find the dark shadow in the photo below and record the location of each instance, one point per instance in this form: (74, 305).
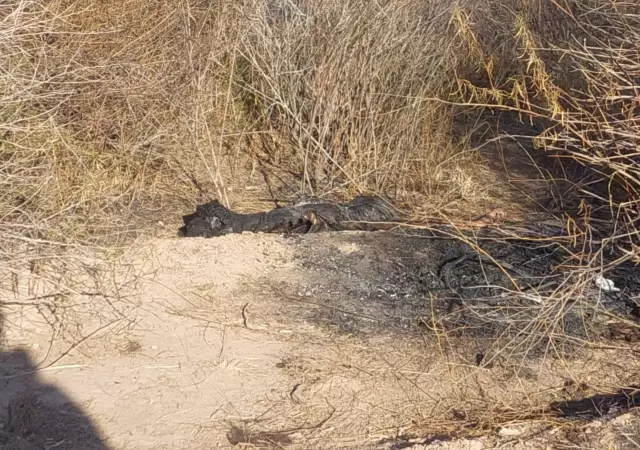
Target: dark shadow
(542, 180)
(35, 415)
(259, 439)
(407, 442)
(600, 405)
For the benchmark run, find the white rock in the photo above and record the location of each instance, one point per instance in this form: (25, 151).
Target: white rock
(509, 432)
(606, 285)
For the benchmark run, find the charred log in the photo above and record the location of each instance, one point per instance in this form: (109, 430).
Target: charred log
(363, 213)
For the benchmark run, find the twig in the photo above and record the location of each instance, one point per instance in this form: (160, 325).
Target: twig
(44, 369)
(245, 320)
(293, 391)
(81, 341)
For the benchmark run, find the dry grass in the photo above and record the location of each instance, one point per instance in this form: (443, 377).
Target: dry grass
(342, 88)
(105, 119)
(120, 122)
(576, 75)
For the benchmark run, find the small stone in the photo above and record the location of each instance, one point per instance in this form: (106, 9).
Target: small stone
(509, 432)
(154, 347)
(35, 346)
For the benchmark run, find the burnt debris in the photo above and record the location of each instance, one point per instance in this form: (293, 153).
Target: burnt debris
(310, 216)
(600, 405)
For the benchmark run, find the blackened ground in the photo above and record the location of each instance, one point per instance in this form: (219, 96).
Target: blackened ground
(369, 282)
(599, 405)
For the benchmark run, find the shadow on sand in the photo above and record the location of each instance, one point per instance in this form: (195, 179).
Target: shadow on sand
(35, 415)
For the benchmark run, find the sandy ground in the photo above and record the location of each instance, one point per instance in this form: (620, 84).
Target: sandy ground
(241, 341)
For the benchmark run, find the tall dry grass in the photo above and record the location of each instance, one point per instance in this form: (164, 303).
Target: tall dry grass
(573, 68)
(343, 88)
(122, 112)
(107, 114)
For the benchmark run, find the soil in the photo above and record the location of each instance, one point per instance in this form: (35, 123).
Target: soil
(346, 340)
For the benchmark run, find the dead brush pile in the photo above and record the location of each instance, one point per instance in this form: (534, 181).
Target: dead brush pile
(573, 68)
(348, 90)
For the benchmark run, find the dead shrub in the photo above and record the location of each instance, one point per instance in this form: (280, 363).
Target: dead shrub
(572, 68)
(105, 120)
(347, 91)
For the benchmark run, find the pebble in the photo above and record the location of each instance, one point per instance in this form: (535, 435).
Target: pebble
(509, 432)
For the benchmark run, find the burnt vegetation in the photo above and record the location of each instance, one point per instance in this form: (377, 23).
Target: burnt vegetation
(310, 216)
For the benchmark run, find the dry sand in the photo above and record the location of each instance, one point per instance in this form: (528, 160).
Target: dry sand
(200, 344)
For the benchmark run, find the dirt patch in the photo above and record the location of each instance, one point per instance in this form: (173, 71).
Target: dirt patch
(269, 341)
(489, 293)
(38, 415)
